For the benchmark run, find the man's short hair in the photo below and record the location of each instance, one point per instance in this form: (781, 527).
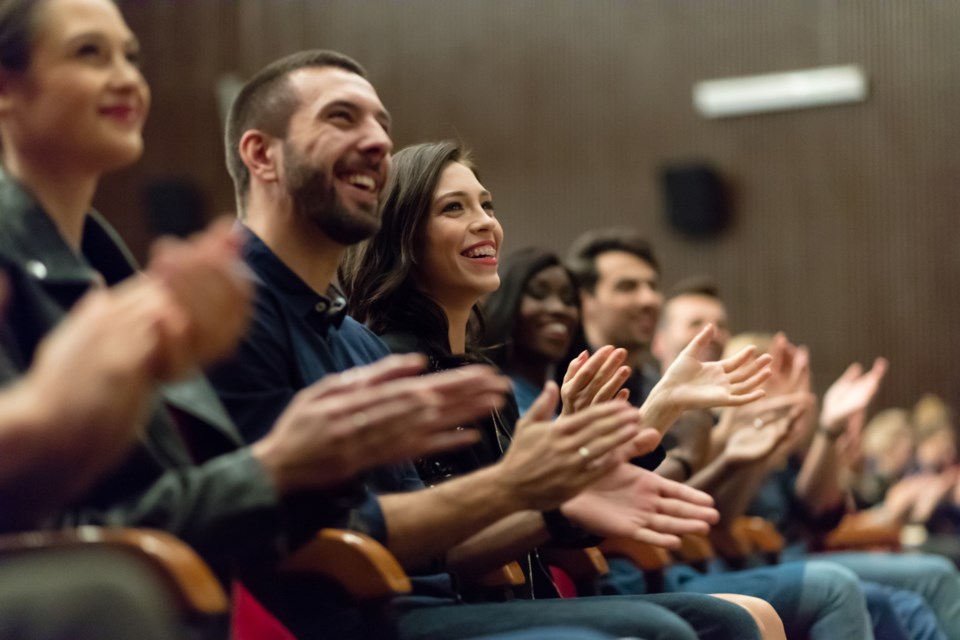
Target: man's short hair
(582, 257)
(267, 102)
(695, 286)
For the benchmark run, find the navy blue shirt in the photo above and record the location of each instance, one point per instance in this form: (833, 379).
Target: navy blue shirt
(296, 337)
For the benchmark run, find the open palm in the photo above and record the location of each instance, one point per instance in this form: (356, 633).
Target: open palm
(690, 383)
(852, 392)
(638, 504)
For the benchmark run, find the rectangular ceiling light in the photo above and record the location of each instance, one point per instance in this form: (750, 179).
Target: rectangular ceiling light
(780, 91)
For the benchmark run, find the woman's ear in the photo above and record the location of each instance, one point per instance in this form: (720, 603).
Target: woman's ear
(261, 155)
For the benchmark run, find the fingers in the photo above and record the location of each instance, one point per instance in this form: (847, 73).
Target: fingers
(852, 372)
(752, 383)
(623, 395)
(389, 368)
(612, 388)
(645, 442)
(657, 539)
(737, 360)
(601, 446)
(588, 373)
(879, 369)
(604, 384)
(740, 400)
(680, 526)
(750, 369)
(680, 491)
(697, 345)
(581, 424)
(472, 379)
(574, 366)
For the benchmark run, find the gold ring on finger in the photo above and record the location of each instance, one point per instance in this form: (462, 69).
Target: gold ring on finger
(584, 452)
(758, 423)
(360, 419)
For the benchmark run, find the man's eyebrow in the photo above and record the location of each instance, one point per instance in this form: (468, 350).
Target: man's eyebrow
(381, 114)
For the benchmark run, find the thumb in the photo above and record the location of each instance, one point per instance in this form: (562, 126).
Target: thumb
(544, 406)
(699, 342)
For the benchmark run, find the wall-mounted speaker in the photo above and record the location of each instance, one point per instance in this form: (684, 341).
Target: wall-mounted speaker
(696, 199)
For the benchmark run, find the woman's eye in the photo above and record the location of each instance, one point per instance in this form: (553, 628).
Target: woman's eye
(452, 206)
(488, 205)
(134, 57)
(537, 293)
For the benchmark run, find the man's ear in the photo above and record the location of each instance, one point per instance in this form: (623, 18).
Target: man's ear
(261, 155)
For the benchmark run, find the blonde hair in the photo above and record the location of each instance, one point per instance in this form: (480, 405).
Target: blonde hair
(883, 428)
(761, 341)
(931, 415)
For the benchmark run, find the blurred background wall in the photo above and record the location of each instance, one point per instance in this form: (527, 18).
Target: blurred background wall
(844, 218)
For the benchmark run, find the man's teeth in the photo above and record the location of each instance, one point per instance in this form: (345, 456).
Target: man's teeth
(362, 181)
(485, 251)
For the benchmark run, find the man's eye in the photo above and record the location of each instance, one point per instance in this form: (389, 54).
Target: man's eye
(88, 50)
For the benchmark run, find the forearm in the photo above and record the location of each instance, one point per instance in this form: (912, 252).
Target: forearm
(38, 474)
(426, 523)
(498, 544)
(818, 485)
(658, 412)
(734, 494)
(732, 485)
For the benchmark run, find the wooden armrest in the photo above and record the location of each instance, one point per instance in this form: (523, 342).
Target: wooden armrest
(509, 575)
(857, 531)
(194, 586)
(731, 542)
(760, 532)
(695, 549)
(580, 564)
(643, 555)
(358, 563)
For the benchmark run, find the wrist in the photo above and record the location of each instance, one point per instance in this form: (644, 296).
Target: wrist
(565, 532)
(269, 454)
(500, 484)
(831, 433)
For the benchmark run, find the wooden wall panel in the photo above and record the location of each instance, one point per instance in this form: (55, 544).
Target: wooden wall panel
(845, 230)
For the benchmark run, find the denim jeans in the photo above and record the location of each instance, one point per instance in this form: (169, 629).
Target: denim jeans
(814, 599)
(933, 577)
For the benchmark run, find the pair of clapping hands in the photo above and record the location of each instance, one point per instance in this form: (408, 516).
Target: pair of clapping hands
(770, 430)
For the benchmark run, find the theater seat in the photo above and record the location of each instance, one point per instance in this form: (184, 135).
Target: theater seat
(191, 583)
(861, 532)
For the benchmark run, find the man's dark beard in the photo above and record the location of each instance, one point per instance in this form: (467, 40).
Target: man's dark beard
(317, 201)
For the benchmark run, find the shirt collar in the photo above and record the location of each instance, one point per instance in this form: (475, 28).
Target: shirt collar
(319, 311)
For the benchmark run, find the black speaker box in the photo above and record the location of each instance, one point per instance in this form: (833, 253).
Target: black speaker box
(696, 199)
